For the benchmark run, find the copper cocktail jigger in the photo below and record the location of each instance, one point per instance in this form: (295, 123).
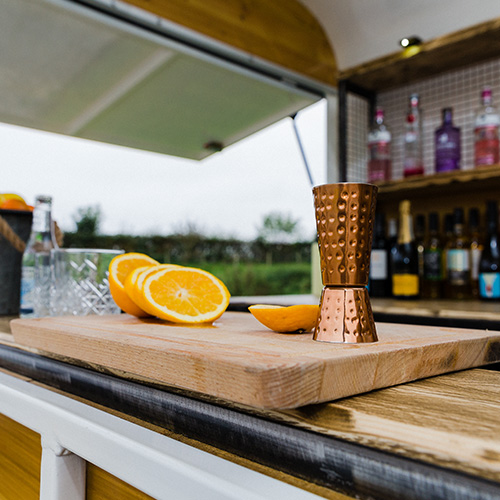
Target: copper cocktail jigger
(345, 213)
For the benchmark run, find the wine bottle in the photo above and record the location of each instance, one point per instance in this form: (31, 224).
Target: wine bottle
(419, 241)
(476, 247)
(489, 265)
(458, 259)
(432, 287)
(448, 238)
(392, 243)
(413, 157)
(379, 260)
(379, 150)
(447, 144)
(404, 258)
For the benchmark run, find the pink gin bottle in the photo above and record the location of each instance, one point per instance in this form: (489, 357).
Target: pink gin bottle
(486, 137)
(379, 150)
(413, 160)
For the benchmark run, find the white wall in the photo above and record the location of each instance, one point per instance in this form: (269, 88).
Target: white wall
(362, 30)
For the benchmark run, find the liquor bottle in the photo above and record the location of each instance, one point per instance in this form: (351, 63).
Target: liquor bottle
(476, 248)
(432, 287)
(486, 136)
(413, 159)
(448, 238)
(458, 259)
(447, 143)
(392, 244)
(379, 150)
(419, 241)
(404, 259)
(35, 264)
(489, 266)
(379, 260)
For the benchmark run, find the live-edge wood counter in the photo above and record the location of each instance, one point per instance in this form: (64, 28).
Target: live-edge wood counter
(435, 438)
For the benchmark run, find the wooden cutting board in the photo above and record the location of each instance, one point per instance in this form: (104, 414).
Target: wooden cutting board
(240, 360)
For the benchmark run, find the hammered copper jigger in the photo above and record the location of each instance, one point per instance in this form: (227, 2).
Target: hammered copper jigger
(345, 213)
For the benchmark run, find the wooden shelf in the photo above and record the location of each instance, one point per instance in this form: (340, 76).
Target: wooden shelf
(442, 192)
(471, 45)
(439, 309)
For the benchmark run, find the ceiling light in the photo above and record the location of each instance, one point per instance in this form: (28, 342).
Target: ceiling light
(409, 41)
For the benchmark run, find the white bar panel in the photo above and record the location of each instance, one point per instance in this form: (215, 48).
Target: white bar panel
(157, 465)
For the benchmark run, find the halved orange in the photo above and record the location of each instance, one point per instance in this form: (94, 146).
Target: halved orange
(286, 319)
(119, 268)
(185, 295)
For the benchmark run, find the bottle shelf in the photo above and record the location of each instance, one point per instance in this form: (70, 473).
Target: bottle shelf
(441, 192)
(478, 43)
(438, 309)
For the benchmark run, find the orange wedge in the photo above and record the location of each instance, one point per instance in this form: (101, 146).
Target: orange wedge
(119, 268)
(299, 318)
(185, 295)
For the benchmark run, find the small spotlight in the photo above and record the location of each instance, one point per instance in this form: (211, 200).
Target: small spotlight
(409, 41)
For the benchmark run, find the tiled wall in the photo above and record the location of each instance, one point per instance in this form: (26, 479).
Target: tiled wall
(459, 89)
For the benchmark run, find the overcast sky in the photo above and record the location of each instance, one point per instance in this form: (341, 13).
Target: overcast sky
(227, 194)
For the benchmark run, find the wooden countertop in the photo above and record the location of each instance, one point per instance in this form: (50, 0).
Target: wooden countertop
(435, 438)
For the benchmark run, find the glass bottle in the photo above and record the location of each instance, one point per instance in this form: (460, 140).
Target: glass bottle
(413, 154)
(432, 287)
(489, 266)
(404, 259)
(379, 150)
(458, 259)
(35, 264)
(420, 242)
(447, 144)
(448, 238)
(486, 137)
(379, 260)
(476, 248)
(392, 244)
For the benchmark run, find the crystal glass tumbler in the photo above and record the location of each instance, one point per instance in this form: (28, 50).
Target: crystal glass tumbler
(80, 282)
(345, 214)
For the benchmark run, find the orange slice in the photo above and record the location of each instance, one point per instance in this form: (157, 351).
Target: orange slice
(134, 283)
(185, 295)
(299, 318)
(119, 268)
(130, 283)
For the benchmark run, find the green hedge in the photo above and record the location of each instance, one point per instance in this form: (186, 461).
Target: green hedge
(246, 267)
(263, 279)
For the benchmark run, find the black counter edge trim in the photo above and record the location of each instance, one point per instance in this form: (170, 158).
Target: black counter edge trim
(327, 461)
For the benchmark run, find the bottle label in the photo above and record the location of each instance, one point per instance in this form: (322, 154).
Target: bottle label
(487, 120)
(432, 265)
(458, 266)
(376, 136)
(27, 290)
(378, 265)
(405, 285)
(475, 256)
(489, 285)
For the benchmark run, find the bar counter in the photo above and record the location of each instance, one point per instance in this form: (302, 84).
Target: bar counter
(435, 438)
